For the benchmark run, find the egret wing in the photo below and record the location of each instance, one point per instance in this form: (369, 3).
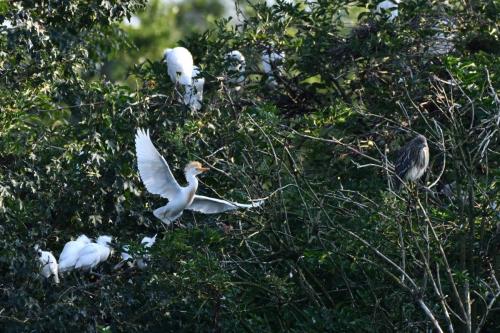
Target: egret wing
(154, 170)
(208, 205)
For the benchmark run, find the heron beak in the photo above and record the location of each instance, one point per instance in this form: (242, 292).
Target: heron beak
(201, 169)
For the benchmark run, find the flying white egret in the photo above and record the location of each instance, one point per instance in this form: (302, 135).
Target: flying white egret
(193, 94)
(180, 65)
(93, 254)
(158, 179)
(69, 254)
(388, 5)
(236, 68)
(49, 264)
(271, 63)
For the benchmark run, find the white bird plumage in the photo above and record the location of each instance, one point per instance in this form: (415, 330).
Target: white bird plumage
(93, 254)
(193, 95)
(180, 65)
(388, 5)
(236, 68)
(147, 243)
(49, 264)
(69, 254)
(141, 262)
(158, 179)
(271, 64)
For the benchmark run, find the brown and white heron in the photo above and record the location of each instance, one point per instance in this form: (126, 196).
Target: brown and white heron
(412, 161)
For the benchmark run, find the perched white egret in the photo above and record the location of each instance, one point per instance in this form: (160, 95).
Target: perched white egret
(180, 65)
(193, 94)
(147, 242)
(236, 68)
(93, 254)
(388, 5)
(271, 63)
(69, 254)
(125, 253)
(158, 179)
(49, 264)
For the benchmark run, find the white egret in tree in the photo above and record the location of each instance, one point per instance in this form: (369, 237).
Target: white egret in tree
(193, 95)
(236, 68)
(69, 254)
(388, 5)
(49, 264)
(271, 63)
(180, 65)
(147, 243)
(158, 179)
(412, 160)
(141, 262)
(93, 254)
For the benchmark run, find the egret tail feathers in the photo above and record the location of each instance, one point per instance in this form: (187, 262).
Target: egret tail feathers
(166, 215)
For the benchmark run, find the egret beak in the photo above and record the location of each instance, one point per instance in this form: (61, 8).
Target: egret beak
(201, 169)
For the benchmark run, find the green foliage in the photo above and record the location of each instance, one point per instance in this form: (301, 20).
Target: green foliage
(327, 250)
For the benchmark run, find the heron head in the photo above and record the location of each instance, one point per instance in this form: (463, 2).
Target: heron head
(165, 54)
(420, 140)
(38, 250)
(83, 239)
(104, 240)
(195, 168)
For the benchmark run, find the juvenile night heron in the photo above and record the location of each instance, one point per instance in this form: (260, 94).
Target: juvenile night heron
(158, 179)
(412, 160)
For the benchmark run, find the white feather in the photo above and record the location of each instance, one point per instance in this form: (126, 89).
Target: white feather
(193, 95)
(180, 65)
(271, 64)
(93, 254)
(158, 179)
(208, 205)
(236, 68)
(69, 254)
(49, 265)
(154, 170)
(388, 5)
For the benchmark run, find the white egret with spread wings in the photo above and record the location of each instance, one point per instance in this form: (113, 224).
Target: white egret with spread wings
(158, 179)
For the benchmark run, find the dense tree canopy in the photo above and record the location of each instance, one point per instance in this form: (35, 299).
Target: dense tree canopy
(334, 248)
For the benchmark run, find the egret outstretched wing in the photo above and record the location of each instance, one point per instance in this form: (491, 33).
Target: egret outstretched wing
(154, 170)
(209, 205)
